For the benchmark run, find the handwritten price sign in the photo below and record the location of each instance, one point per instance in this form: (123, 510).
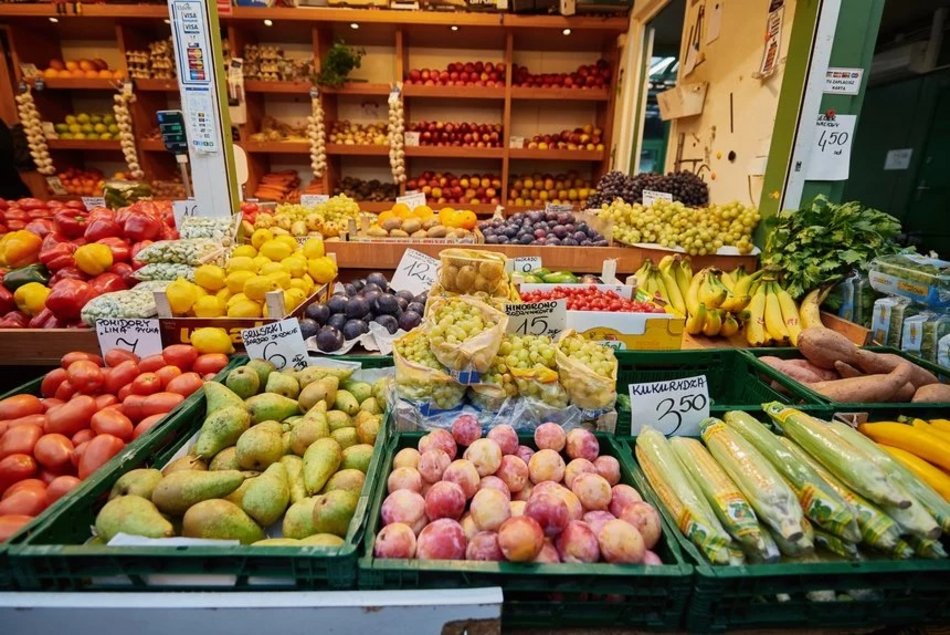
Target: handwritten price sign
(416, 272)
(524, 264)
(141, 337)
(537, 318)
(280, 343)
(674, 407)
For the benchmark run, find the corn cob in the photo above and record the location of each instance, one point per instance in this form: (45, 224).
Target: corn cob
(922, 490)
(770, 497)
(898, 435)
(926, 548)
(693, 516)
(877, 528)
(804, 546)
(731, 508)
(819, 501)
(840, 457)
(902, 550)
(769, 554)
(836, 545)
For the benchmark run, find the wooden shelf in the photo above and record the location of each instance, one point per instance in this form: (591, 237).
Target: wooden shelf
(294, 88)
(81, 83)
(152, 145)
(84, 144)
(44, 347)
(559, 94)
(357, 88)
(376, 206)
(157, 85)
(455, 152)
(277, 147)
(556, 155)
(138, 11)
(454, 92)
(358, 150)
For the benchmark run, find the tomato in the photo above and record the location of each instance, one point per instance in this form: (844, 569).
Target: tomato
(11, 524)
(146, 424)
(79, 451)
(16, 467)
(20, 406)
(124, 392)
(29, 502)
(118, 355)
(104, 401)
(121, 375)
(111, 421)
(82, 436)
(98, 452)
(86, 376)
(20, 440)
(133, 407)
(53, 451)
(185, 384)
(72, 416)
(151, 363)
(181, 355)
(65, 391)
(161, 402)
(167, 373)
(52, 402)
(76, 356)
(146, 384)
(39, 420)
(60, 486)
(51, 381)
(26, 483)
(210, 363)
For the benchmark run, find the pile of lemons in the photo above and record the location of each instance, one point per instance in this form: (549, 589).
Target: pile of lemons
(239, 288)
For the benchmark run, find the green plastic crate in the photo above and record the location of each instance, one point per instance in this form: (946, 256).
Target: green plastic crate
(541, 595)
(734, 380)
(53, 555)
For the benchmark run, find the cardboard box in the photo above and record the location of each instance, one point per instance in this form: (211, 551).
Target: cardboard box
(630, 331)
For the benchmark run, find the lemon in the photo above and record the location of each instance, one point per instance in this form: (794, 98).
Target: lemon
(244, 250)
(261, 236)
(322, 270)
(181, 296)
(276, 250)
(210, 277)
(270, 267)
(293, 298)
(236, 280)
(290, 241)
(223, 295)
(258, 286)
(295, 265)
(281, 277)
(211, 340)
(241, 263)
(313, 248)
(245, 308)
(209, 306)
(260, 261)
(234, 299)
(299, 283)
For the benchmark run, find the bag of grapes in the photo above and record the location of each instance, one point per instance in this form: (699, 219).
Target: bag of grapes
(524, 366)
(465, 335)
(420, 377)
(470, 271)
(588, 372)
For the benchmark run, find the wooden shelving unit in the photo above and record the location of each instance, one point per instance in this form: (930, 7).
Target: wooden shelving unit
(83, 144)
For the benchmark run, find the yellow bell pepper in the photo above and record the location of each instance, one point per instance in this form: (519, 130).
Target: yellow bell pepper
(93, 259)
(21, 248)
(31, 298)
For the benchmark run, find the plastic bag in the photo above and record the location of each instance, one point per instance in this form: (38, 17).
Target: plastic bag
(587, 388)
(420, 377)
(196, 251)
(448, 323)
(133, 303)
(165, 271)
(470, 271)
(524, 366)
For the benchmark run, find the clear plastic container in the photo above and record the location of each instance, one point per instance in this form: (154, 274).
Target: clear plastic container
(922, 279)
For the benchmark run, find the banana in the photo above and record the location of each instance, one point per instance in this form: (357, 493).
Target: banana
(696, 320)
(648, 284)
(730, 326)
(755, 326)
(666, 261)
(809, 311)
(789, 314)
(774, 324)
(744, 286)
(672, 289)
(643, 272)
(712, 293)
(692, 294)
(683, 273)
(728, 281)
(734, 303)
(739, 273)
(657, 278)
(713, 323)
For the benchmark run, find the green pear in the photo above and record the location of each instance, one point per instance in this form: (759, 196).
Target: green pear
(132, 515)
(298, 521)
(243, 382)
(139, 482)
(237, 496)
(294, 466)
(306, 431)
(218, 396)
(381, 389)
(323, 540)
(338, 419)
(360, 390)
(357, 457)
(270, 407)
(283, 384)
(368, 429)
(266, 499)
(321, 390)
(277, 542)
(290, 421)
(346, 402)
(314, 373)
(286, 441)
(221, 520)
(187, 463)
(263, 368)
(333, 511)
(371, 405)
(221, 428)
(320, 462)
(346, 437)
(349, 480)
(178, 491)
(319, 407)
(226, 459)
(260, 446)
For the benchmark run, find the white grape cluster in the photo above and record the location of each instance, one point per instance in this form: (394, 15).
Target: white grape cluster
(437, 387)
(30, 118)
(331, 217)
(596, 357)
(123, 120)
(397, 130)
(536, 353)
(697, 230)
(454, 322)
(317, 133)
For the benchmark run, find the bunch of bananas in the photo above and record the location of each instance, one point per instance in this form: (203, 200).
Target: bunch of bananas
(716, 301)
(666, 282)
(774, 318)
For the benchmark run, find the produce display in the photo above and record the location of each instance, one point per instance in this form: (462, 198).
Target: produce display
(490, 74)
(447, 133)
(88, 126)
(158, 62)
(85, 68)
(445, 187)
(538, 189)
(274, 130)
(87, 411)
(396, 129)
(372, 190)
(278, 186)
(279, 461)
(271, 64)
(541, 228)
(587, 76)
(686, 188)
(422, 222)
(359, 134)
(591, 299)
(501, 501)
(585, 138)
(328, 219)
(82, 182)
(812, 491)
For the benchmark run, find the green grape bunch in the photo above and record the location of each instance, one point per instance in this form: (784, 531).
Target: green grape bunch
(597, 357)
(420, 386)
(454, 322)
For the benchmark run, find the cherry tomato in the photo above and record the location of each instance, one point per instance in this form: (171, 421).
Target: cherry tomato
(20, 406)
(26, 483)
(39, 420)
(60, 486)
(16, 467)
(146, 424)
(118, 355)
(210, 363)
(86, 376)
(151, 363)
(76, 356)
(104, 401)
(11, 524)
(111, 421)
(65, 391)
(20, 440)
(167, 373)
(133, 407)
(29, 502)
(53, 451)
(146, 384)
(98, 452)
(121, 375)
(181, 355)
(161, 402)
(52, 402)
(82, 436)
(124, 392)
(72, 416)
(51, 381)
(185, 384)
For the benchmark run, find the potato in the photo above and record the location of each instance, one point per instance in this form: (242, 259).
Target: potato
(411, 225)
(392, 223)
(465, 279)
(398, 233)
(429, 223)
(377, 232)
(438, 231)
(419, 233)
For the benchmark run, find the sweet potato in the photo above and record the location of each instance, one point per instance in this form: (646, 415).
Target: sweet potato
(867, 389)
(823, 347)
(904, 394)
(876, 363)
(791, 370)
(847, 370)
(823, 373)
(932, 393)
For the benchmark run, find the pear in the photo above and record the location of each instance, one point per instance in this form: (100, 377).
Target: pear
(237, 496)
(315, 373)
(346, 402)
(218, 396)
(298, 521)
(371, 405)
(270, 407)
(338, 419)
(323, 540)
(294, 466)
(319, 407)
(221, 428)
(267, 497)
(320, 462)
(321, 390)
(306, 431)
(346, 437)
(350, 480)
(360, 390)
(283, 384)
(178, 491)
(381, 389)
(243, 382)
(187, 463)
(286, 441)
(357, 457)
(368, 429)
(132, 515)
(277, 542)
(260, 446)
(139, 482)
(263, 368)
(222, 520)
(333, 511)
(226, 459)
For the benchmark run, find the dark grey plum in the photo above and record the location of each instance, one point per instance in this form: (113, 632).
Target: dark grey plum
(371, 286)
(337, 303)
(337, 320)
(358, 284)
(409, 320)
(389, 322)
(329, 339)
(418, 307)
(354, 328)
(403, 303)
(378, 279)
(350, 289)
(406, 294)
(308, 327)
(371, 297)
(356, 308)
(539, 228)
(318, 312)
(387, 304)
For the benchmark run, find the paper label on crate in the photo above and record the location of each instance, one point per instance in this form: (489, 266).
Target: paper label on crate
(412, 199)
(558, 207)
(523, 264)
(411, 139)
(537, 318)
(280, 343)
(141, 337)
(183, 210)
(515, 142)
(415, 273)
(652, 196)
(56, 186)
(93, 201)
(311, 200)
(673, 406)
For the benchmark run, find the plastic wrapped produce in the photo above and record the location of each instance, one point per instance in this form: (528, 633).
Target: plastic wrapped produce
(922, 279)
(420, 378)
(588, 371)
(196, 251)
(464, 334)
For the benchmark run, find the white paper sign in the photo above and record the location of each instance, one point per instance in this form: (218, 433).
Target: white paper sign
(524, 264)
(183, 210)
(412, 199)
(898, 159)
(674, 406)
(830, 156)
(141, 337)
(93, 201)
(280, 343)
(311, 200)
(652, 196)
(537, 318)
(411, 139)
(415, 273)
(56, 186)
(515, 142)
(843, 81)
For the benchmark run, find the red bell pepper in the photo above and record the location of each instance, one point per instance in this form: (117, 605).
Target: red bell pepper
(15, 213)
(101, 224)
(3, 204)
(121, 252)
(14, 320)
(141, 225)
(68, 297)
(15, 225)
(70, 223)
(45, 319)
(67, 273)
(125, 271)
(6, 300)
(56, 252)
(40, 226)
(31, 203)
(108, 282)
(136, 248)
(75, 205)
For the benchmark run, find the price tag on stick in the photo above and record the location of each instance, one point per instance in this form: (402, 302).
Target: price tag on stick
(280, 343)
(141, 337)
(537, 318)
(524, 264)
(674, 407)
(415, 273)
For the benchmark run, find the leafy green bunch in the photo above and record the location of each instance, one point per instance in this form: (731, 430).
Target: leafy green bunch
(339, 62)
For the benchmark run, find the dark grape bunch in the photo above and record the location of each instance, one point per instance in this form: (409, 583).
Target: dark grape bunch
(685, 187)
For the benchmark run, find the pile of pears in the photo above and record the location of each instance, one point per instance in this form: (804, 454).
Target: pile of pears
(275, 446)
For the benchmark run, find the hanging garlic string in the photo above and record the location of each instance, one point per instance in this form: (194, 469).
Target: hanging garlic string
(36, 138)
(316, 133)
(397, 129)
(123, 119)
